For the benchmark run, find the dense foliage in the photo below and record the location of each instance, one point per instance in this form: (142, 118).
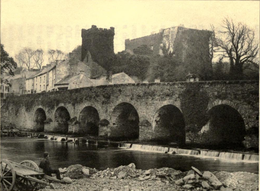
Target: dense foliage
(7, 63)
(133, 65)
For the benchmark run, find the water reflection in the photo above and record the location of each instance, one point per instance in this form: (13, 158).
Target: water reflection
(101, 157)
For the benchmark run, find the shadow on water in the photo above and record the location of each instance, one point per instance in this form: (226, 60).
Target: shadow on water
(102, 156)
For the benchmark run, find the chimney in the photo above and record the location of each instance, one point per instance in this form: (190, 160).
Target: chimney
(81, 74)
(109, 76)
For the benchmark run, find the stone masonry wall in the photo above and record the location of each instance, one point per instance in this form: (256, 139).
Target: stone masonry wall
(152, 41)
(147, 99)
(188, 46)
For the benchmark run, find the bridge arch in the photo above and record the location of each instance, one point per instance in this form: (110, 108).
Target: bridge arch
(39, 118)
(223, 102)
(61, 118)
(225, 126)
(169, 125)
(124, 121)
(89, 121)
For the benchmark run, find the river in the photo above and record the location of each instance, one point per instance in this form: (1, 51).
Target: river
(102, 157)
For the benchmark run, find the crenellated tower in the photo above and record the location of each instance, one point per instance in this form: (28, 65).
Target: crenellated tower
(99, 43)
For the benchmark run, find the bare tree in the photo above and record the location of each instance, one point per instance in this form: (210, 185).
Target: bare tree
(56, 55)
(212, 43)
(25, 58)
(38, 58)
(238, 44)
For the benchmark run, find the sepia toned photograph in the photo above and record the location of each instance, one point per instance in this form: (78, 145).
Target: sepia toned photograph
(129, 95)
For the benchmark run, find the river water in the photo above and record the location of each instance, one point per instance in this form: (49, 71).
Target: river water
(102, 157)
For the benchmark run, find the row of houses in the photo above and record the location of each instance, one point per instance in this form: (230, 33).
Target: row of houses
(62, 75)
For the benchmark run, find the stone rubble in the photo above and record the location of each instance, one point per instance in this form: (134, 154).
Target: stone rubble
(128, 178)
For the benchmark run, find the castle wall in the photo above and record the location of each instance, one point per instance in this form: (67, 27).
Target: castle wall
(152, 41)
(189, 46)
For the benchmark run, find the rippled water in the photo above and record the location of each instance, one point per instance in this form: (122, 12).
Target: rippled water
(63, 155)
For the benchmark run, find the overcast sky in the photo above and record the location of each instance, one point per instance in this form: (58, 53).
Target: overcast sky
(57, 24)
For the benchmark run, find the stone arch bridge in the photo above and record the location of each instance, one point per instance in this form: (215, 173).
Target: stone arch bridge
(155, 111)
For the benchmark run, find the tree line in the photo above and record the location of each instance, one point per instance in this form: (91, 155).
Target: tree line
(34, 59)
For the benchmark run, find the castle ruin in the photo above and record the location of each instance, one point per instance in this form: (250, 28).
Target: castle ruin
(99, 43)
(188, 46)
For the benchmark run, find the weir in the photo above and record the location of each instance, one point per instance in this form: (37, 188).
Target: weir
(227, 155)
(149, 148)
(247, 157)
(209, 153)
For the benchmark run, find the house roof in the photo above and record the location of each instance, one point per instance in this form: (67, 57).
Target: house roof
(16, 76)
(46, 69)
(122, 78)
(31, 75)
(96, 70)
(64, 81)
(120, 74)
(81, 78)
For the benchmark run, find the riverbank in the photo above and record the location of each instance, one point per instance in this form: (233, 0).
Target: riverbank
(128, 178)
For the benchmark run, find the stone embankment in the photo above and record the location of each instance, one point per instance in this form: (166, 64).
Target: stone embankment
(128, 178)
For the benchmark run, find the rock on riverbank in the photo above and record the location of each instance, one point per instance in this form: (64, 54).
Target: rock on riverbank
(128, 178)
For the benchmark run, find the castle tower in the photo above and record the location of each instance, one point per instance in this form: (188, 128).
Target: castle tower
(99, 43)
